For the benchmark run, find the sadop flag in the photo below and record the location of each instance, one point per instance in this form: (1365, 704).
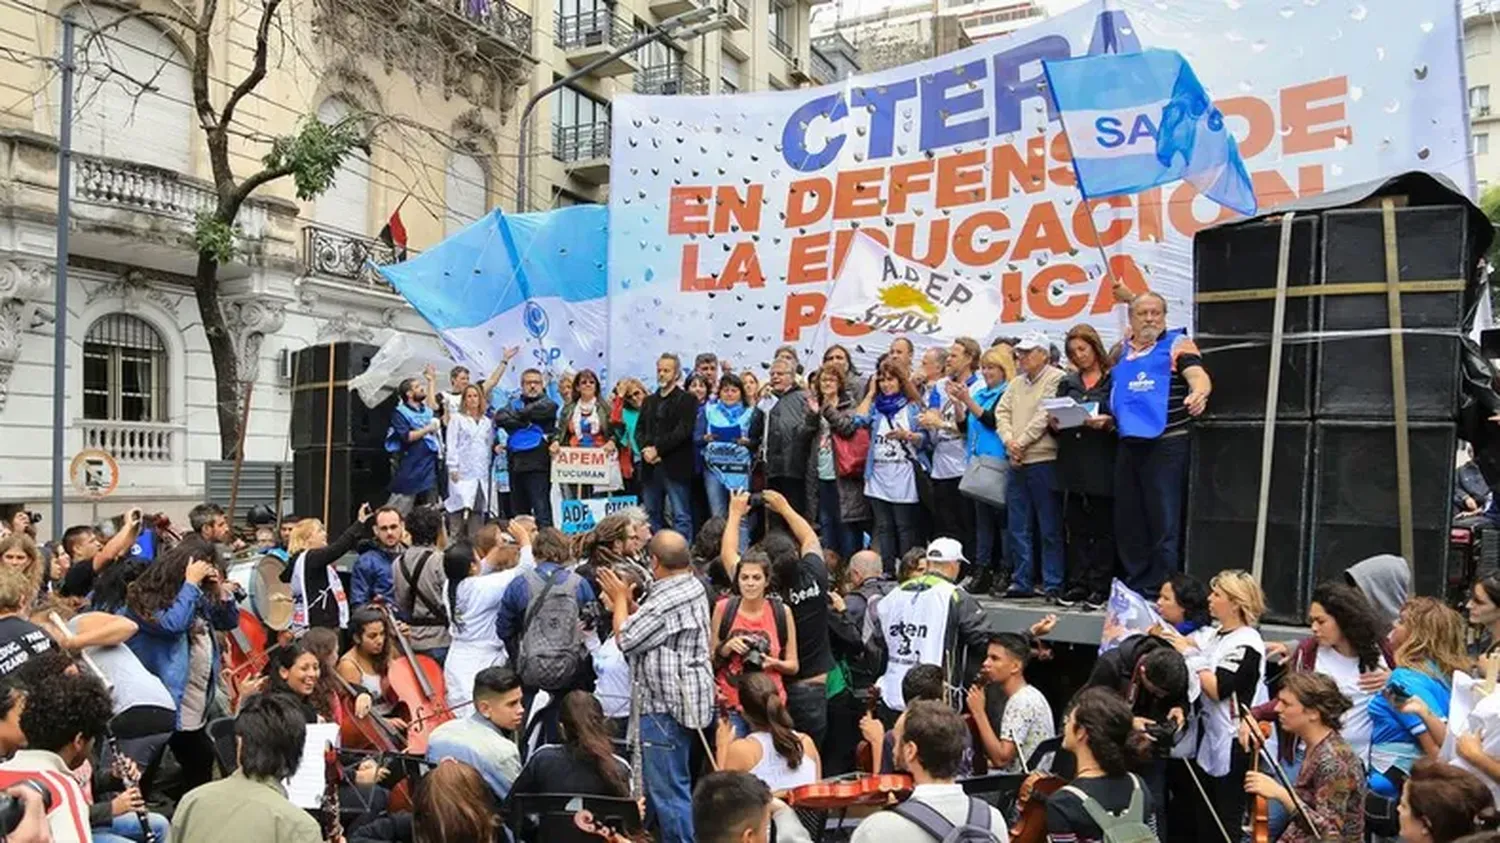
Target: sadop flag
(533, 280)
(1138, 120)
(883, 291)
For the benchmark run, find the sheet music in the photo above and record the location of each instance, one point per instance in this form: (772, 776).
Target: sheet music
(305, 788)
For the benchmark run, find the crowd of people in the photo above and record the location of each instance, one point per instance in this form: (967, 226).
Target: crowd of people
(795, 601)
(958, 443)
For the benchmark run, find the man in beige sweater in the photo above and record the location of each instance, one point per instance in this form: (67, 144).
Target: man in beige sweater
(1031, 495)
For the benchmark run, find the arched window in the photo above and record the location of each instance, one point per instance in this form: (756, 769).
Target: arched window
(346, 204)
(113, 117)
(124, 371)
(465, 191)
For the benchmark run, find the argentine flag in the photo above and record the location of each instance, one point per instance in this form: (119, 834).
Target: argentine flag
(531, 280)
(1139, 120)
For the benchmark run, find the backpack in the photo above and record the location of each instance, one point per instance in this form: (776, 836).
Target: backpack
(976, 829)
(552, 648)
(778, 611)
(1127, 827)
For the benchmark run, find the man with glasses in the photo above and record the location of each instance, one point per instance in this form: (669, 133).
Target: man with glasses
(665, 436)
(530, 423)
(786, 426)
(1159, 387)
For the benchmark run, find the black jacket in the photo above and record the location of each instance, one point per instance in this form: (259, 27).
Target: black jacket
(1085, 456)
(666, 423)
(789, 430)
(540, 411)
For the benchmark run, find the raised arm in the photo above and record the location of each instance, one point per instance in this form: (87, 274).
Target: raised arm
(806, 536)
(729, 546)
(120, 543)
(101, 629)
(494, 379)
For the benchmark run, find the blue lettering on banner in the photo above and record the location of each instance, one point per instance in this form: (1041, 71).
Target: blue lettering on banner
(1008, 80)
(582, 515)
(1109, 135)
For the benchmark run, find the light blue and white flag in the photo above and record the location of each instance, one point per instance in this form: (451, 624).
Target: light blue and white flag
(1138, 120)
(533, 280)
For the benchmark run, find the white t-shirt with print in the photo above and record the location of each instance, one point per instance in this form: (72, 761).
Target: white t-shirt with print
(1027, 721)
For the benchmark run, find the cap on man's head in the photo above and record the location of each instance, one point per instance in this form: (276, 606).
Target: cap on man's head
(945, 552)
(1033, 340)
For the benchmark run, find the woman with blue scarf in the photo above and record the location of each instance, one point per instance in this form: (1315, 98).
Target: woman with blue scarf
(998, 366)
(724, 431)
(899, 448)
(1409, 718)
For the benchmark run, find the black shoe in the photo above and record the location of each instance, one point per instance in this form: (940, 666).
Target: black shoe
(1073, 597)
(980, 583)
(1000, 586)
(1018, 593)
(1057, 598)
(1096, 601)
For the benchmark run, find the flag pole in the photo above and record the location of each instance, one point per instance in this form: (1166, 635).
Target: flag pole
(1116, 285)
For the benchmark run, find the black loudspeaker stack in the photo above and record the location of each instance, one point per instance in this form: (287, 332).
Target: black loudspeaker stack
(359, 469)
(1333, 498)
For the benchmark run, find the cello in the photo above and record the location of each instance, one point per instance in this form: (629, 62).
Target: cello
(417, 682)
(374, 732)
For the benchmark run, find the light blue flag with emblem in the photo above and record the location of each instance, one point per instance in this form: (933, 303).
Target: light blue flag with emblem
(1138, 120)
(531, 280)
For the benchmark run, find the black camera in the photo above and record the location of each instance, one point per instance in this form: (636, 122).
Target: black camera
(756, 652)
(757, 499)
(34, 517)
(13, 810)
(1163, 735)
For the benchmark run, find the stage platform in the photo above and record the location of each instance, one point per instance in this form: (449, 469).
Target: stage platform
(1076, 626)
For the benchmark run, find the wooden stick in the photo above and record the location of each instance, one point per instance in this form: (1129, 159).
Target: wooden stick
(328, 438)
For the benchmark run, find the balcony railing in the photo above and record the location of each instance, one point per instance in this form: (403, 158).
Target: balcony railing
(594, 28)
(134, 442)
(780, 44)
(823, 70)
(347, 257)
(670, 79)
(131, 186)
(582, 142)
(736, 11)
(495, 17)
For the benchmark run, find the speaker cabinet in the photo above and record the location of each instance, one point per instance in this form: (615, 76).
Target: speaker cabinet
(356, 476)
(1355, 514)
(1223, 494)
(354, 424)
(1355, 372)
(1235, 336)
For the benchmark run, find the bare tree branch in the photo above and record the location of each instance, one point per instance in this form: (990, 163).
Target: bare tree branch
(258, 69)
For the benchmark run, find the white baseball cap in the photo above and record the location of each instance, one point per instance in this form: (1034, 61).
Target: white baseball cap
(1035, 339)
(946, 551)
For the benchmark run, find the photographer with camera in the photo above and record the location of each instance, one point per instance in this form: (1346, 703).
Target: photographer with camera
(91, 554)
(751, 632)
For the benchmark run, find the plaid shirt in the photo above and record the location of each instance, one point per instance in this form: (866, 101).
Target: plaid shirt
(667, 644)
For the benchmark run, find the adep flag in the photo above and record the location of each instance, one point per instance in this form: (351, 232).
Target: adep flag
(878, 289)
(1141, 120)
(537, 280)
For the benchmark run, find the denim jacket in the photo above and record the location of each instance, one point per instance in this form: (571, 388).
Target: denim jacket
(162, 642)
(922, 450)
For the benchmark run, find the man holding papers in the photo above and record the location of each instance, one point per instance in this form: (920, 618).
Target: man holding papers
(1031, 494)
(1158, 387)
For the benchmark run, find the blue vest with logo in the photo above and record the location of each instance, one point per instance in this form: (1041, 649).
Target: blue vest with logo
(1139, 394)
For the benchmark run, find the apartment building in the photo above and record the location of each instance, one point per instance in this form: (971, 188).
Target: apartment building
(763, 45)
(1482, 70)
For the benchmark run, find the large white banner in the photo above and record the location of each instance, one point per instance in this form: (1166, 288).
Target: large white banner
(729, 215)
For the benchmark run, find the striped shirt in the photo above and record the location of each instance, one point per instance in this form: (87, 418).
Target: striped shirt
(666, 642)
(69, 815)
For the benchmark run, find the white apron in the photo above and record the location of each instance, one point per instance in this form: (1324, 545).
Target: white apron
(914, 623)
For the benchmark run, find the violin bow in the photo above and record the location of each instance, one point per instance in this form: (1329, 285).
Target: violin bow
(1248, 717)
(1202, 792)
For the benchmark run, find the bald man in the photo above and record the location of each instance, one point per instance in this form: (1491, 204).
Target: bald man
(666, 637)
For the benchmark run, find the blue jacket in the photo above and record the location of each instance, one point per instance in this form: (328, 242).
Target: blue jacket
(162, 644)
(517, 600)
(372, 576)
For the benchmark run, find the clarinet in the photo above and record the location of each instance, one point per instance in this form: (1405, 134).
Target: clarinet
(122, 769)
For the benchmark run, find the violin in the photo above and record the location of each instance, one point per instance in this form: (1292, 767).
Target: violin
(864, 753)
(1259, 810)
(1031, 807)
(331, 823)
(247, 654)
(417, 683)
(851, 790)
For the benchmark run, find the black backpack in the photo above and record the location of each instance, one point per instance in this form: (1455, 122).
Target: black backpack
(978, 828)
(733, 609)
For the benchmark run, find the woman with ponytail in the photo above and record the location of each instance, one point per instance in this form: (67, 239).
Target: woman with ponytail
(478, 575)
(584, 763)
(1099, 731)
(773, 752)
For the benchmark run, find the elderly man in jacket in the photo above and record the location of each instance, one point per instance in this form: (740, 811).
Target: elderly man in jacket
(786, 428)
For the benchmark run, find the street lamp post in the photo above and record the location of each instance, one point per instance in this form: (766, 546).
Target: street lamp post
(698, 21)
